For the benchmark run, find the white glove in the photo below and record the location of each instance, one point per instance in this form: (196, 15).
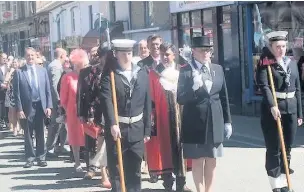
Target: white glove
(228, 130)
(275, 112)
(197, 81)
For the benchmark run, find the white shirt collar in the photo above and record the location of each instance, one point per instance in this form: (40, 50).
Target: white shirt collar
(199, 65)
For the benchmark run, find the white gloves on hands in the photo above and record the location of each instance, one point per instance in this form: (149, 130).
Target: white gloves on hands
(228, 130)
(275, 112)
(197, 80)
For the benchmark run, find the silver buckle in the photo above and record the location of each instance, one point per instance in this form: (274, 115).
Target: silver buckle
(130, 120)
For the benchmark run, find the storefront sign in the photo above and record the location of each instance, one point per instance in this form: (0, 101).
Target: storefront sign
(181, 6)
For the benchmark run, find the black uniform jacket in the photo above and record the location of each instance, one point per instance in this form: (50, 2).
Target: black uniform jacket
(286, 106)
(147, 62)
(202, 110)
(82, 98)
(129, 105)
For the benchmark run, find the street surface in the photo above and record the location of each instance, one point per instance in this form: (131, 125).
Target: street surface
(240, 170)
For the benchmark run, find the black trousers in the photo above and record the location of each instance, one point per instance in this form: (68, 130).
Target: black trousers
(132, 153)
(274, 161)
(34, 122)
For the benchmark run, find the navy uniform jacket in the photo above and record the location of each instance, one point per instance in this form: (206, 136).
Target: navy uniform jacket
(286, 106)
(200, 105)
(140, 102)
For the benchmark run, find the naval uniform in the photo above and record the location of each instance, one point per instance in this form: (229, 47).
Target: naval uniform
(134, 111)
(288, 92)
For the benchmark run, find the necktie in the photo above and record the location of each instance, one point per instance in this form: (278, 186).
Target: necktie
(206, 73)
(33, 84)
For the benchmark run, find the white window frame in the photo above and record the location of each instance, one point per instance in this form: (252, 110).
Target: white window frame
(73, 19)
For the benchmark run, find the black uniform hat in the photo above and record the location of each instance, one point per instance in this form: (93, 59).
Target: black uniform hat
(202, 41)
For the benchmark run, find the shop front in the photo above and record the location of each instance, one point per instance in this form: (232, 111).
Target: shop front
(220, 21)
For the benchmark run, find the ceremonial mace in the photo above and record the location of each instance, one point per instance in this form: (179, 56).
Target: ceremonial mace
(279, 126)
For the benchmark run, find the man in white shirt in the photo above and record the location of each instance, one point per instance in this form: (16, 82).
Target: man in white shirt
(3, 87)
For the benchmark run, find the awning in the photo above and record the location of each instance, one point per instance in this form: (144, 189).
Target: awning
(91, 39)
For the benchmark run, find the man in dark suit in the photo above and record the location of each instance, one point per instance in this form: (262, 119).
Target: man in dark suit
(154, 42)
(33, 103)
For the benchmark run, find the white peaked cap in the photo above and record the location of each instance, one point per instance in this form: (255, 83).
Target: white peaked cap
(123, 44)
(277, 35)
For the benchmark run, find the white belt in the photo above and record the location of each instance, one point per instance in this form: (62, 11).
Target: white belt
(130, 120)
(285, 95)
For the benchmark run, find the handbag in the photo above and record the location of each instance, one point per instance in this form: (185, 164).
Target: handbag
(92, 130)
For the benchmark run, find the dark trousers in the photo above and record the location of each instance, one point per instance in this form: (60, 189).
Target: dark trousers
(132, 153)
(274, 161)
(2, 111)
(55, 130)
(34, 122)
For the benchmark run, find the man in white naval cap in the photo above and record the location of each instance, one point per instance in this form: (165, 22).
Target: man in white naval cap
(288, 91)
(134, 111)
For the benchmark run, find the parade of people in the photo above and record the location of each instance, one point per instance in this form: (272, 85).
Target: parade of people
(186, 96)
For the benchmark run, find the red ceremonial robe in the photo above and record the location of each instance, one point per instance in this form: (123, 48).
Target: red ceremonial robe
(159, 149)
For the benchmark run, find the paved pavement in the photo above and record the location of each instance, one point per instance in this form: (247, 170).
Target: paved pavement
(240, 170)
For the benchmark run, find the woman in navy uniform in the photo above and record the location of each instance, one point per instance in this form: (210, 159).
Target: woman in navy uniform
(134, 111)
(206, 119)
(288, 92)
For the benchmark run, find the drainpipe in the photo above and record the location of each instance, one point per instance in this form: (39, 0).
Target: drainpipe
(51, 20)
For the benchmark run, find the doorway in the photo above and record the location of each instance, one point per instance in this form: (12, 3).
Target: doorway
(228, 54)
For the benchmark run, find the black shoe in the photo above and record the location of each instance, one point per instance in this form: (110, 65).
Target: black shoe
(284, 189)
(276, 190)
(28, 164)
(51, 155)
(42, 163)
(291, 171)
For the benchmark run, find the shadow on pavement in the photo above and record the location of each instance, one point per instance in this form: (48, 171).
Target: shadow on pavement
(155, 190)
(64, 184)
(45, 170)
(11, 144)
(11, 156)
(3, 166)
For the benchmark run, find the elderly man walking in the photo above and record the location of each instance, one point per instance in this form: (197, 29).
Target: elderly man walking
(55, 129)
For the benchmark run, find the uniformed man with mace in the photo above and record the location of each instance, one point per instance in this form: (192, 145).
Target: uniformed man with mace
(134, 114)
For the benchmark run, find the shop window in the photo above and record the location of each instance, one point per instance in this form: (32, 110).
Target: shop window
(207, 23)
(196, 23)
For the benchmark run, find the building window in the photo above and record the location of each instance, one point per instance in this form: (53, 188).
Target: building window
(15, 10)
(73, 19)
(91, 16)
(149, 18)
(8, 5)
(22, 9)
(112, 11)
(59, 29)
